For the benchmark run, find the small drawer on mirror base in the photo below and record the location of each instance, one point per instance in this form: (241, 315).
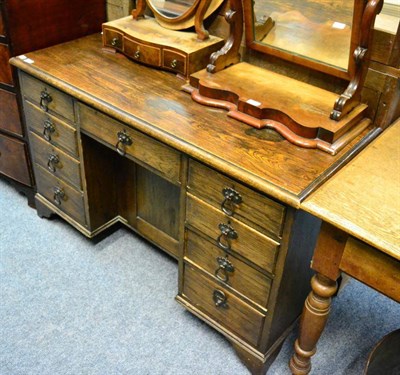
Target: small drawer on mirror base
(113, 39)
(174, 61)
(142, 53)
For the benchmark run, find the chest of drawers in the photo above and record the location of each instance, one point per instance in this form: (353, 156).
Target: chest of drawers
(46, 27)
(199, 186)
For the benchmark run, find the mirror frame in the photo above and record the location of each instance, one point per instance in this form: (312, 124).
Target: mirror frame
(364, 15)
(194, 16)
(303, 60)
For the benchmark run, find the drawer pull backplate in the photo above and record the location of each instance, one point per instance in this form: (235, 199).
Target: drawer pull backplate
(231, 198)
(45, 99)
(123, 140)
(48, 129)
(59, 194)
(220, 299)
(52, 161)
(227, 234)
(225, 267)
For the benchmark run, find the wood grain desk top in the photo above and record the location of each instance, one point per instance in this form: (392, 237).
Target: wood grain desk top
(363, 199)
(152, 101)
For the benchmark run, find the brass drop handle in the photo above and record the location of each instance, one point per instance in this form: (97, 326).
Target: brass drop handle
(45, 99)
(225, 267)
(231, 198)
(174, 63)
(48, 129)
(227, 234)
(123, 140)
(220, 299)
(58, 195)
(137, 55)
(115, 42)
(52, 161)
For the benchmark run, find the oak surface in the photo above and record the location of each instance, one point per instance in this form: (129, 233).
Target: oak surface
(111, 83)
(363, 199)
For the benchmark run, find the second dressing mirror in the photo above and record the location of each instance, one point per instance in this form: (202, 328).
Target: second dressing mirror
(331, 36)
(317, 34)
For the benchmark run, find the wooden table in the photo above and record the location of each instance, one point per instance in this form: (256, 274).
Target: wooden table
(360, 235)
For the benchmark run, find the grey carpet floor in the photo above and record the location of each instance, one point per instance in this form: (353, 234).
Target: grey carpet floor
(73, 306)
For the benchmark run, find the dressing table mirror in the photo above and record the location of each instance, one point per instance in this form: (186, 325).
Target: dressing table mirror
(330, 37)
(166, 40)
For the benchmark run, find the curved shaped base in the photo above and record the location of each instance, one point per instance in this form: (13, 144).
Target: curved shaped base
(285, 130)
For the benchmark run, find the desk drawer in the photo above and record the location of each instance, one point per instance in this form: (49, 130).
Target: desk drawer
(241, 277)
(55, 161)
(232, 313)
(57, 132)
(254, 208)
(47, 98)
(241, 239)
(13, 159)
(60, 194)
(144, 149)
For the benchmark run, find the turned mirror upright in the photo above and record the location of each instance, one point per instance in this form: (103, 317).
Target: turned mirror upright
(327, 36)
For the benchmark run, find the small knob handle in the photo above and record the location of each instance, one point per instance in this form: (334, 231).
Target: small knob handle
(174, 63)
(45, 99)
(48, 129)
(227, 234)
(137, 55)
(123, 140)
(231, 198)
(52, 161)
(115, 42)
(225, 267)
(220, 299)
(58, 195)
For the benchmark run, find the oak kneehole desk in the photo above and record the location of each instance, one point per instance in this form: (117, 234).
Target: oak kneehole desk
(360, 235)
(113, 140)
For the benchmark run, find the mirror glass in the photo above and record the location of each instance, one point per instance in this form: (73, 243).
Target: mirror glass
(172, 8)
(319, 30)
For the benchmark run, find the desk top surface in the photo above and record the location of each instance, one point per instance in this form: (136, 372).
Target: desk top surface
(152, 101)
(363, 198)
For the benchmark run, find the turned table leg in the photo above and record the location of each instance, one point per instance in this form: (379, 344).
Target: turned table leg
(313, 320)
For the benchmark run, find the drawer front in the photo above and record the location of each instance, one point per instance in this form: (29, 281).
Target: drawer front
(2, 25)
(237, 274)
(174, 61)
(113, 39)
(254, 209)
(9, 115)
(142, 53)
(5, 68)
(14, 160)
(249, 243)
(69, 200)
(55, 161)
(47, 98)
(145, 149)
(51, 129)
(232, 313)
